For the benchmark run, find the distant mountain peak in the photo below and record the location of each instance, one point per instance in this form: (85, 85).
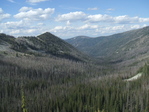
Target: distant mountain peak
(48, 34)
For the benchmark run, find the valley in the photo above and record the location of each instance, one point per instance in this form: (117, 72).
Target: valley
(47, 74)
(129, 47)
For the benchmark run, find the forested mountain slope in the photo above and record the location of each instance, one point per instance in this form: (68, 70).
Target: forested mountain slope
(43, 84)
(45, 74)
(36, 72)
(130, 45)
(44, 44)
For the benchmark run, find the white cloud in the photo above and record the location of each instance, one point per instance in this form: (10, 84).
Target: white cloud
(72, 16)
(110, 9)
(31, 22)
(71, 31)
(26, 32)
(95, 8)
(58, 28)
(15, 25)
(3, 15)
(61, 29)
(40, 24)
(79, 28)
(23, 9)
(28, 13)
(87, 26)
(108, 30)
(35, 1)
(143, 19)
(68, 23)
(125, 19)
(22, 28)
(135, 26)
(99, 18)
(92, 30)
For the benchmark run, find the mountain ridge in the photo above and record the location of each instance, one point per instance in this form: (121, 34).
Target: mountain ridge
(44, 44)
(129, 45)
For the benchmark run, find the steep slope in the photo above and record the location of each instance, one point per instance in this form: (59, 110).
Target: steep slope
(123, 46)
(83, 43)
(6, 44)
(44, 44)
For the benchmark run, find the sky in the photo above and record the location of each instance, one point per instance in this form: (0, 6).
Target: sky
(70, 18)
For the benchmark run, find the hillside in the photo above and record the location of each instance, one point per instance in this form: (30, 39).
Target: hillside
(44, 45)
(130, 45)
(46, 74)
